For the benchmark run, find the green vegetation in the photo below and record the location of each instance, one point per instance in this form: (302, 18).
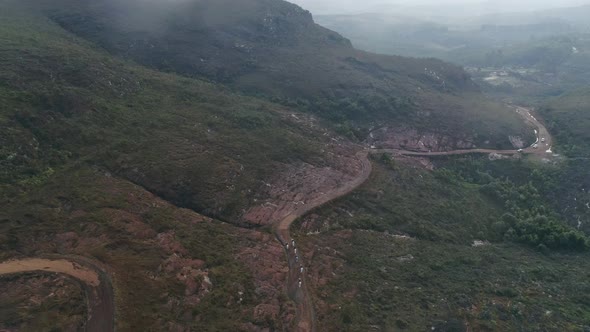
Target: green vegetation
(524, 272)
(78, 126)
(120, 225)
(568, 117)
(291, 60)
(392, 284)
(467, 199)
(461, 39)
(110, 126)
(535, 70)
(546, 54)
(522, 60)
(535, 199)
(401, 198)
(65, 101)
(33, 302)
(527, 220)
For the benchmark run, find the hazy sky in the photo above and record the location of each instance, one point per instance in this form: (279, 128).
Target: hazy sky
(483, 6)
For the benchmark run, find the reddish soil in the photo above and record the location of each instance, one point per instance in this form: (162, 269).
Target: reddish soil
(300, 185)
(305, 320)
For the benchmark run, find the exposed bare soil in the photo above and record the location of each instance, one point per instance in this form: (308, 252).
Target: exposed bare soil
(73, 269)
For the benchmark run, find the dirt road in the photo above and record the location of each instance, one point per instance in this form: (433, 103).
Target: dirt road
(541, 132)
(305, 313)
(542, 146)
(96, 284)
(100, 297)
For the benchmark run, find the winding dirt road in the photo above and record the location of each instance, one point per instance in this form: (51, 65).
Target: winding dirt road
(305, 320)
(96, 284)
(305, 313)
(541, 147)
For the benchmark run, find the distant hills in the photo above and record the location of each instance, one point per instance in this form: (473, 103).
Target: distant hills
(413, 34)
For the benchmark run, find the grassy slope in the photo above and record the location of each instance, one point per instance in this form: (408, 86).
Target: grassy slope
(72, 114)
(77, 125)
(568, 117)
(413, 285)
(272, 48)
(32, 302)
(438, 279)
(194, 143)
(116, 223)
(406, 199)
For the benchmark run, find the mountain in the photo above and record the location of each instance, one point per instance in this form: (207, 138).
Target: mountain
(146, 173)
(273, 49)
(161, 143)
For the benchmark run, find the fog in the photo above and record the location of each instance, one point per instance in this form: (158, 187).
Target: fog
(428, 7)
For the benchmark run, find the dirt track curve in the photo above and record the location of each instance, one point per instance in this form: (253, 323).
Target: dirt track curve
(305, 314)
(97, 286)
(99, 291)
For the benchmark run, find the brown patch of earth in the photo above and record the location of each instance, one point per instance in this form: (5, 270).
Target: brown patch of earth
(265, 259)
(411, 140)
(302, 183)
(73, 269)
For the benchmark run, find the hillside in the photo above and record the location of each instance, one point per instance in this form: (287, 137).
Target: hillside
(135, 168)
(576, 16)
(442, 244)
(569, 117)
(162, 131)
(119, 146)
(273, 49)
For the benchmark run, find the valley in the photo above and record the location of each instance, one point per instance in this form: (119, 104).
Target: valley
(235, 166)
